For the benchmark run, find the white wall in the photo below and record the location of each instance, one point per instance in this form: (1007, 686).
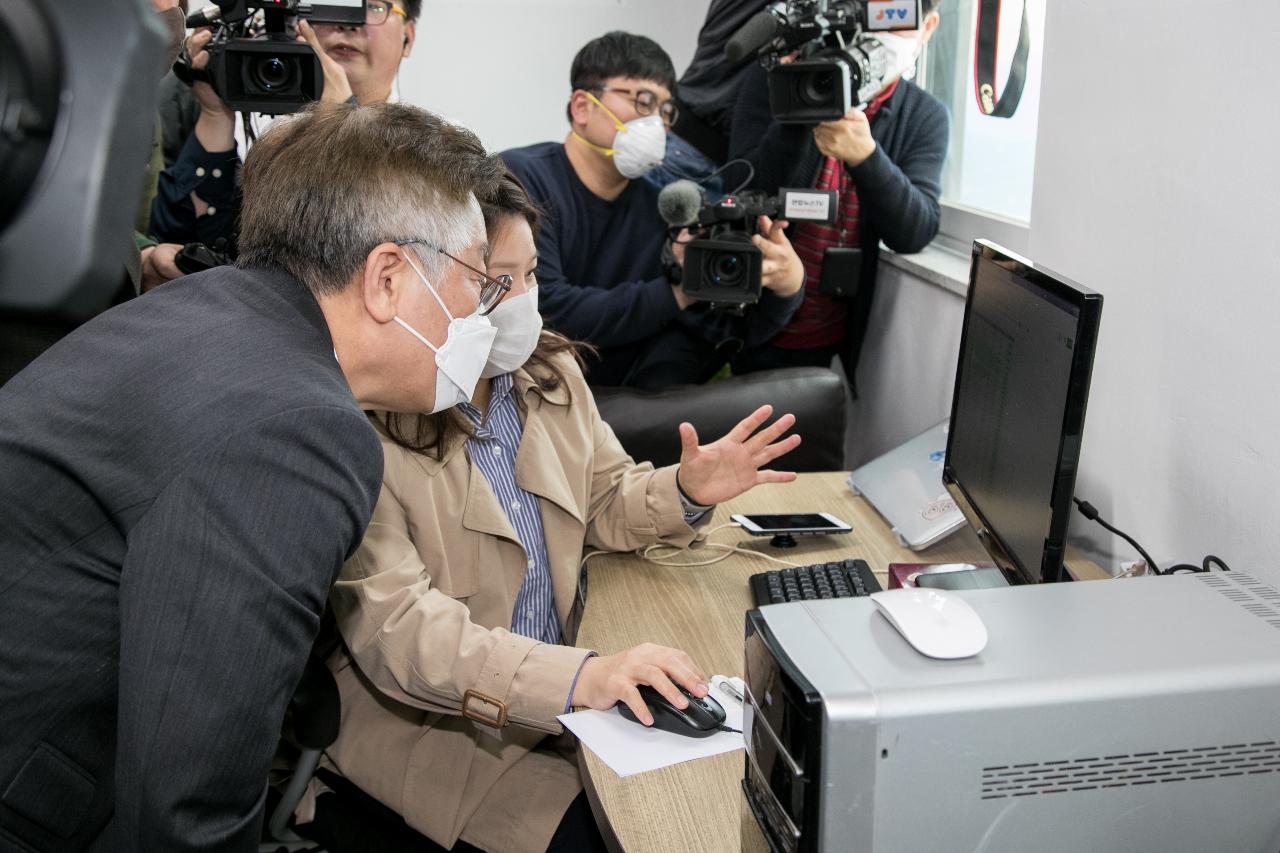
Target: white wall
(502, 68)
(1157, 179)
(907, 367)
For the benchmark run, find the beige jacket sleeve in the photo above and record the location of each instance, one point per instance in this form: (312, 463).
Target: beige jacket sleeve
(420, 647)
(632, 505)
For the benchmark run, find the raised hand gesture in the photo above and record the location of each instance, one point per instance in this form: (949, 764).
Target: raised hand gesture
(717, 472)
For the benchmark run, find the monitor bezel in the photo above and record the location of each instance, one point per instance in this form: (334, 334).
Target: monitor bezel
(1089, 305)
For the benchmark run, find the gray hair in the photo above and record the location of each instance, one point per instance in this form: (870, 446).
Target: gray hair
(321, 189)
(451, 227)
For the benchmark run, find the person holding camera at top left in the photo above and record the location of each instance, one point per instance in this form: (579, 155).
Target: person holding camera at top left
(600, 254)
(197, 198)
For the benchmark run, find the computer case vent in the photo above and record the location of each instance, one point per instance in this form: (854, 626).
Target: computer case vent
(1122, 771)
(1260, 599)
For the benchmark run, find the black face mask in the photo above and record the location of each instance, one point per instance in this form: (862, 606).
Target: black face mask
(176, 21)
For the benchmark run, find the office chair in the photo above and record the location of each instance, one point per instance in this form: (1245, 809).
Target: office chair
(315, 711)
(647, 422)
(347, 819)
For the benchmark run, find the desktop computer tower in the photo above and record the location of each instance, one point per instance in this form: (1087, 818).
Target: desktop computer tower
(1127, 715)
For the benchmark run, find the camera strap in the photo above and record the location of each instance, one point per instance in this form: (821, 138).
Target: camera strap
(984, 62)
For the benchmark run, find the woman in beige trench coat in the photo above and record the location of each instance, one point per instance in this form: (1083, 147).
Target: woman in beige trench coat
(449, 695)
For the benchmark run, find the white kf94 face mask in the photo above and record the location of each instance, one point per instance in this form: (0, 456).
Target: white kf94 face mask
(462, 356)
(903, 52)
(519, 324)
(639, 145)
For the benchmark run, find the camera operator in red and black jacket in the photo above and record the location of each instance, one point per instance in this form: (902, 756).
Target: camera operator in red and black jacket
(886, 163)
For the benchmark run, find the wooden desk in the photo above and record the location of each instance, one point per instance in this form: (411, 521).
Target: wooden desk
(695, 806)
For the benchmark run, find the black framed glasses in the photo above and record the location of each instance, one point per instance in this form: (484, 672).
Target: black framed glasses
(646, 103)
(377, 12)
(492, 290)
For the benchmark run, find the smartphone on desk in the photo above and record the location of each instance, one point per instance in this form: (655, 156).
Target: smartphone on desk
(972, 577)
(795, 523)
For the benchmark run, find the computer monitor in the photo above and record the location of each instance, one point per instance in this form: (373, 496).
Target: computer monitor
(1017, 415)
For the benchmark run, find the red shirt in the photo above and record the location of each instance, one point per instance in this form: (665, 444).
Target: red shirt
(820, 320)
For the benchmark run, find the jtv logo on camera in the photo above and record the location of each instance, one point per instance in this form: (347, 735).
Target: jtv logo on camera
(893, 14)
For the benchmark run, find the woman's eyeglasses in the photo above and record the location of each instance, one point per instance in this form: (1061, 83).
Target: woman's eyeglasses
(492, 290)
(646, 103)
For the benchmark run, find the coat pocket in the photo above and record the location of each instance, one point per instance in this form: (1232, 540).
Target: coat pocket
(52, 791)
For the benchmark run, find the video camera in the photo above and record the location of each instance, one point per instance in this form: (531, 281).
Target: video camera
(721, 265)
(840, 63)
(266, 71)
(77, 100)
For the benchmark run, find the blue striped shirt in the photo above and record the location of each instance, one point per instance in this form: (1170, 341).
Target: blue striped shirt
(493, 448)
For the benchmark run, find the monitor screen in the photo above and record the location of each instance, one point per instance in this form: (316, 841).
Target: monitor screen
(1022, 381)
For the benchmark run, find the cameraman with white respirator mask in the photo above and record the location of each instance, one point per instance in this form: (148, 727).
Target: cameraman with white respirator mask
(600, 252)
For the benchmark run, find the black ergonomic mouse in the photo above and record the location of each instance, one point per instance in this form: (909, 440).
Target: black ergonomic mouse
(703, 717)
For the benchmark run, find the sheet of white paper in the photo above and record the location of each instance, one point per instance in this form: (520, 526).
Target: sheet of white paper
(629, 748)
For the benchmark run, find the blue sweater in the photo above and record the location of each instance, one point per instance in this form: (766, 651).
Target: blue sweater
(600, 274)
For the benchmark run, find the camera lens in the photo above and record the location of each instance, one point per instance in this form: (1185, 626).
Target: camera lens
(816, 89)
(272, 73)
(727, 269)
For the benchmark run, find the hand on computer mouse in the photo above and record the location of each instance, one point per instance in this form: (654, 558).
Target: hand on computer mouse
(701, 717)
(606, 680)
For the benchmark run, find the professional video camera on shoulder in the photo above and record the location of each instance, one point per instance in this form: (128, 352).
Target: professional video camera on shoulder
(840, 62)
(256, 63)
(721, 264)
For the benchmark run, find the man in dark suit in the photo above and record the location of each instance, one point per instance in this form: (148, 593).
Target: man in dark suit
(182, 477)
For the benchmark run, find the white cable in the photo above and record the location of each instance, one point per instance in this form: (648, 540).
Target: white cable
(647, 553)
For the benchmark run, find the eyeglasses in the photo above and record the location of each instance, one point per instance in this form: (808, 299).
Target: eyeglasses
(492, 290)
(377, 13)
(646, 103)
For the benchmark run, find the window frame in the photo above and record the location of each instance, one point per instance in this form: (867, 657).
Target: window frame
(961, 224)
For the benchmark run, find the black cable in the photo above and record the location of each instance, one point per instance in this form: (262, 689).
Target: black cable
(1090, 512)
(1203, 568)
(1210, 559)
(732, 731)
(751, 173)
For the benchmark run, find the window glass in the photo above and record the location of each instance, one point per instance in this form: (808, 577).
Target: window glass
(991, 161)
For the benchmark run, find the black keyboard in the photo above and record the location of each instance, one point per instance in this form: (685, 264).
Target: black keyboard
(844, 579)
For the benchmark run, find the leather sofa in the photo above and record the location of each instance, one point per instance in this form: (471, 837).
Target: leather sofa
(647, 422)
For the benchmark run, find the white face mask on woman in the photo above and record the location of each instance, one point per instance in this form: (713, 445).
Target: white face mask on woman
(462, 356)
(518, 323)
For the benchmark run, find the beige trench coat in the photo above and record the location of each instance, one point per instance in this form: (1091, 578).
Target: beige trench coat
(425, 610)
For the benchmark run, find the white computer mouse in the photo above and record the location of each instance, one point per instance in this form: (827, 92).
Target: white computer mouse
(937, 624)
